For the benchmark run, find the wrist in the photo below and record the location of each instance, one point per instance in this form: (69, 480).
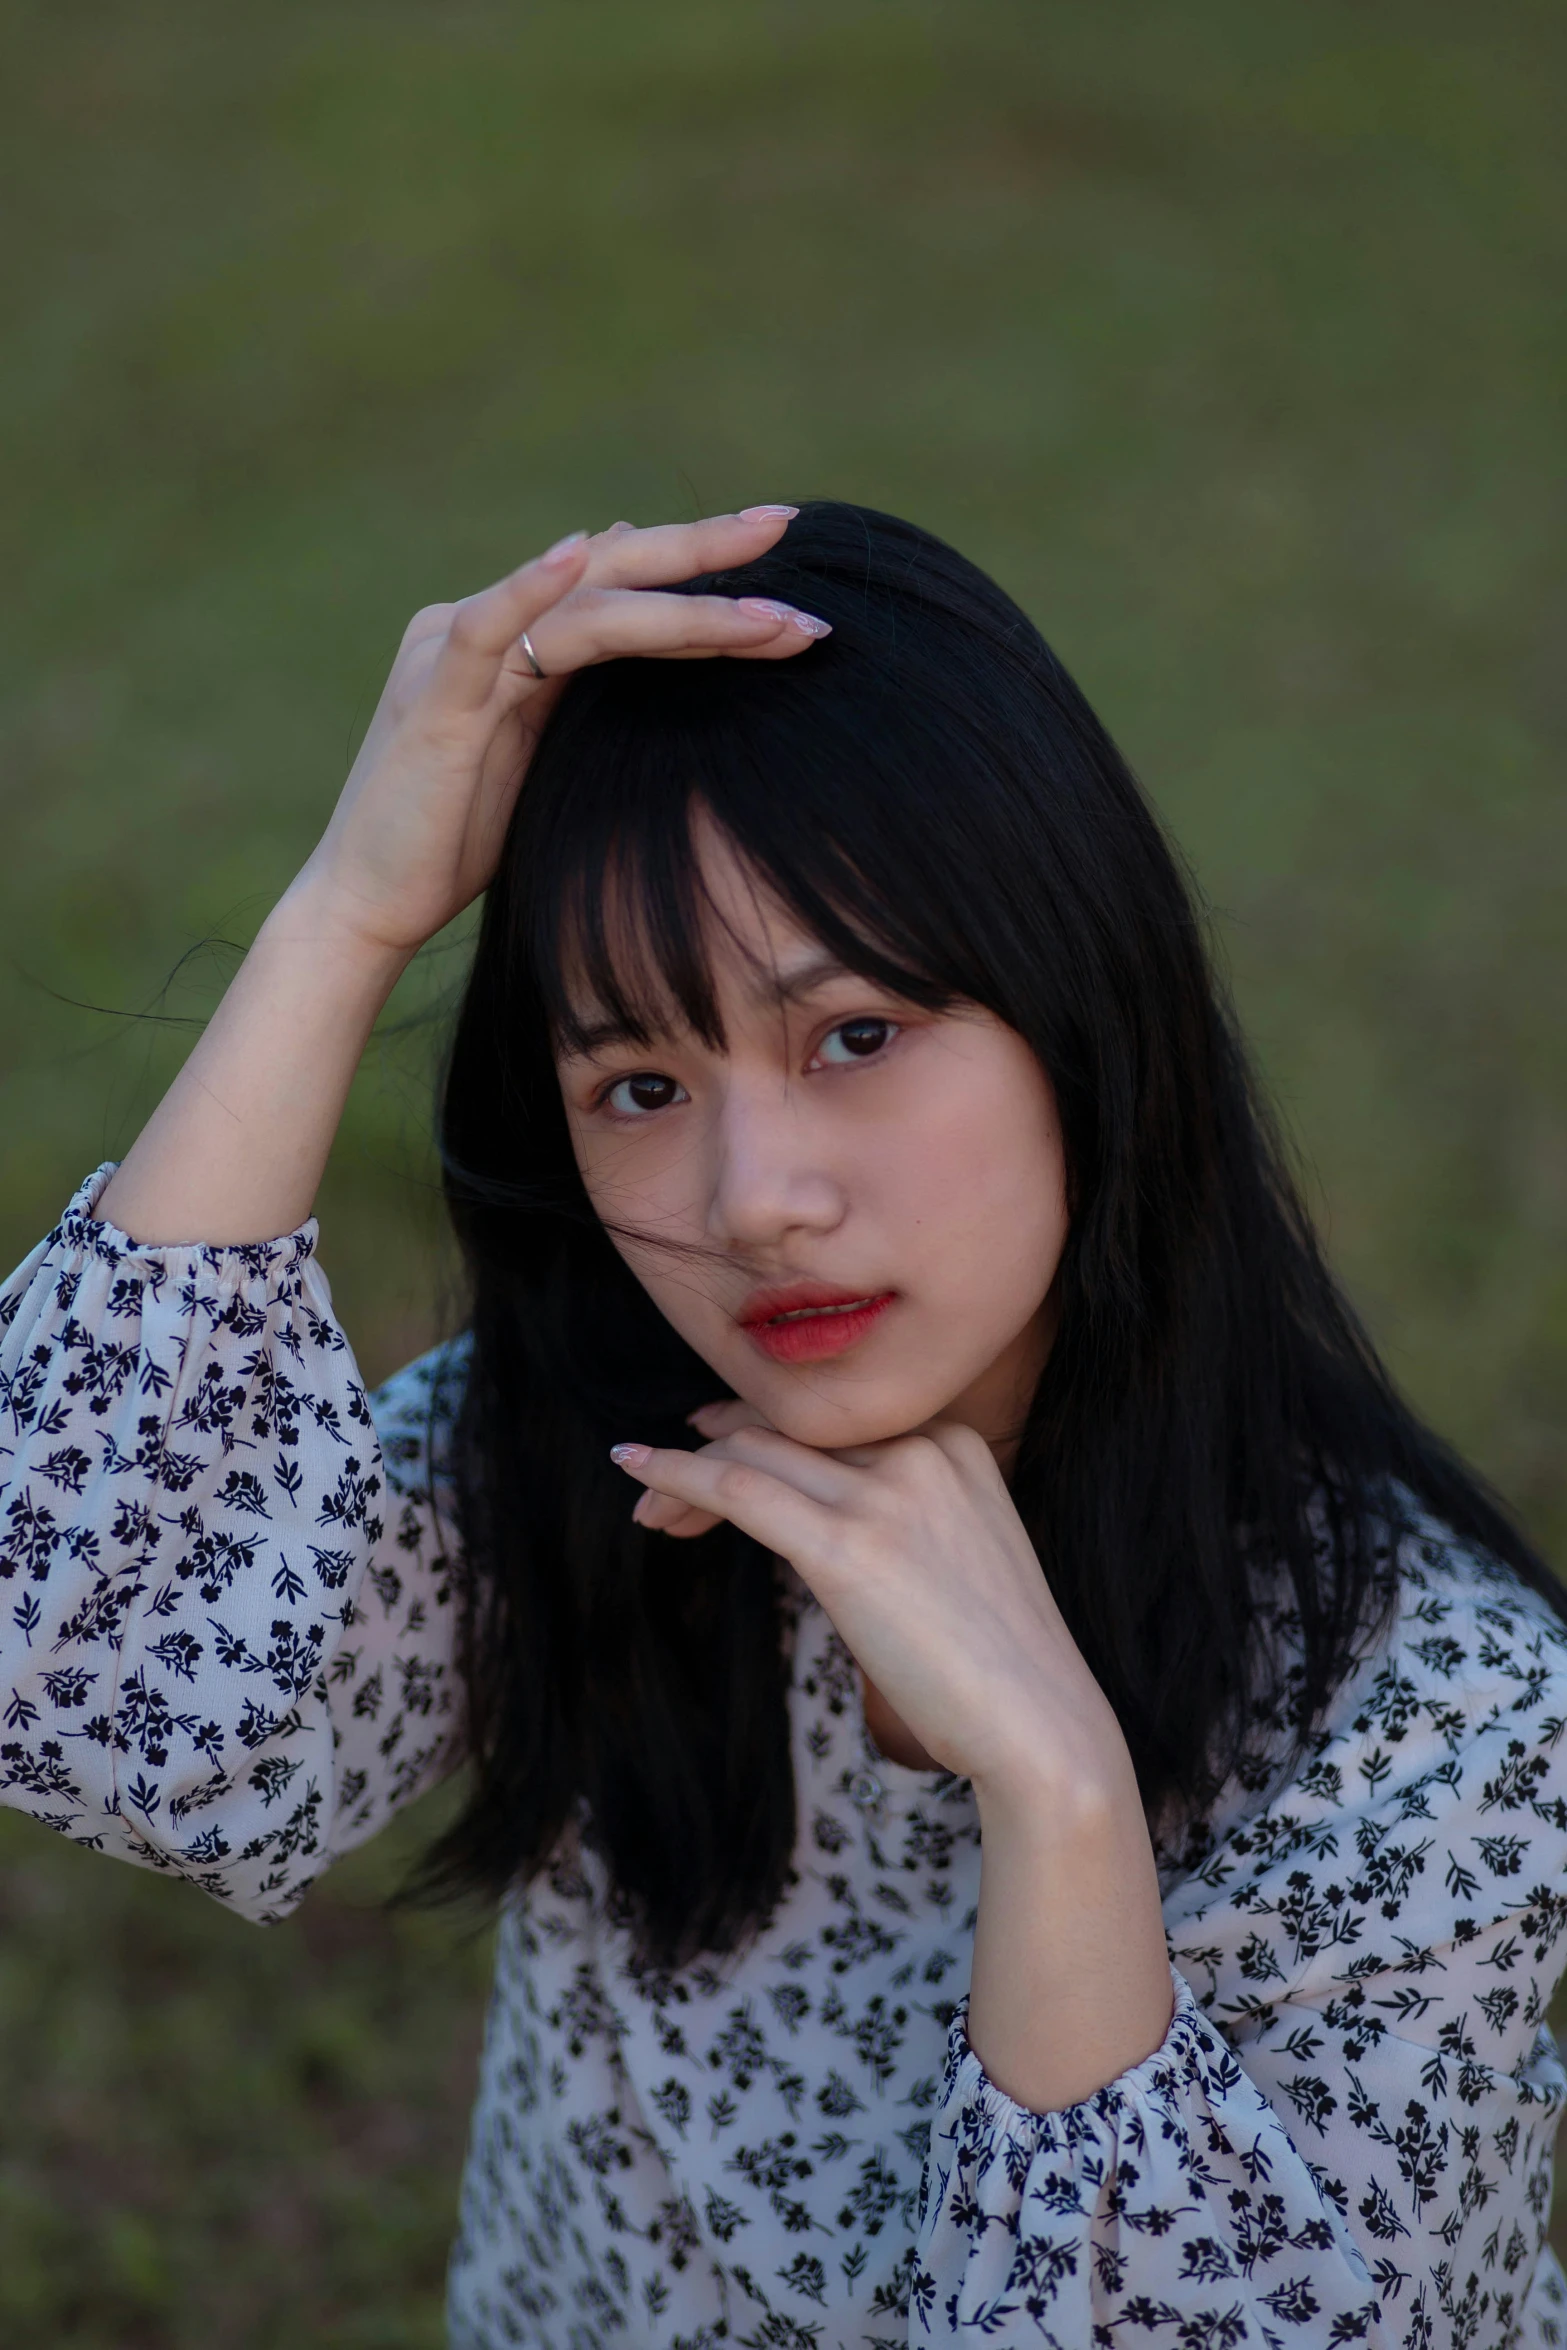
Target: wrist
(1075, 1819)
(1062, 1769)
(315, 916)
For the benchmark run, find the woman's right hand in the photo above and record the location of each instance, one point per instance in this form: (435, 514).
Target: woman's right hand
(418, 829)
(236, 1148)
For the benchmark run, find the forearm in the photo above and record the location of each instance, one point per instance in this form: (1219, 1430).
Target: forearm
(236, 1149)
(210, 1665)
(1071, 1981)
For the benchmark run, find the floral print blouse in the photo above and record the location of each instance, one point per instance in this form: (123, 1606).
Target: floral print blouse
(226, 1653)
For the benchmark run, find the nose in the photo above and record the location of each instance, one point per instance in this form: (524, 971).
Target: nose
(769, 1178)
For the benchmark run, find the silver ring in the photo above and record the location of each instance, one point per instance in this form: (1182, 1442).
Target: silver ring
(531, 656)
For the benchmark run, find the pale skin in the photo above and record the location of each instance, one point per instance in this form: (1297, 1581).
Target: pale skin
(841, 1136)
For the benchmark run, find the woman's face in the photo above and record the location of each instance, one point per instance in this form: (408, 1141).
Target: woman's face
(855, 1211)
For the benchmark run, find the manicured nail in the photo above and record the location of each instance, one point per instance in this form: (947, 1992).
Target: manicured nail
(563, 547)
(763, 608)
(768, 513)
(810, 624)
(630, 1456)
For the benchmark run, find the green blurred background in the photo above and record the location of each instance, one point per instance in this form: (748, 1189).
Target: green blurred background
(1230, 338)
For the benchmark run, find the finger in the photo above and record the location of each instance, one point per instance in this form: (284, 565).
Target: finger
(673, 551)
(773, 1513)
(483, 628)
(782, 646)
(718, 1420)
(824, 1476)
(828, 1477)
(694, 1522)
(713, 1420)
(660, 1515)
(964, 1447)
(433, 620)
(608, 625)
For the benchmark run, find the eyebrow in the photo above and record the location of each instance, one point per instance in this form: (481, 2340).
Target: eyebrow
(770, 990)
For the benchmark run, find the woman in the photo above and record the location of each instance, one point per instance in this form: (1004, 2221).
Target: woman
(839, 1073)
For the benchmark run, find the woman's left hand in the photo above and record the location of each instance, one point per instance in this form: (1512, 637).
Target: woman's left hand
(923, 1565)
(916, 1553)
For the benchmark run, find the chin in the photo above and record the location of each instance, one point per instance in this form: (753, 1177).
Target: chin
(830, 1423)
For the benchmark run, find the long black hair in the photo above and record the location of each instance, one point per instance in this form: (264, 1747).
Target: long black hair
(928, 792)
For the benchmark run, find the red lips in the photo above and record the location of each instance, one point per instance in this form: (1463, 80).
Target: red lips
(807, 1321)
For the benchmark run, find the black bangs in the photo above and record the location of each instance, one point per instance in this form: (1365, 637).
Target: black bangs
(616, 935)
(863, 787)
(618, 923)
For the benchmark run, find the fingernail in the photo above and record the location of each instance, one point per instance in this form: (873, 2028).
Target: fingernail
(768, 513)
(810, 624)
(630, 1456)
(763, 608)
(563, 547)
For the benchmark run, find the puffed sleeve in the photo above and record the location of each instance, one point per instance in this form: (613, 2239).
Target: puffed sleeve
(1347, 2133)
(225, 1611)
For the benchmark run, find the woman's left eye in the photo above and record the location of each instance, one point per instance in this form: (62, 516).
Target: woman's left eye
(856, 1040)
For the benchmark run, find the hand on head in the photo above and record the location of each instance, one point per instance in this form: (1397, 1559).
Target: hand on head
(417, 831)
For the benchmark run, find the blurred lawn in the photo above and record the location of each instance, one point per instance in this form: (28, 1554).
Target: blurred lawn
(1230, 338)
(216, 2136)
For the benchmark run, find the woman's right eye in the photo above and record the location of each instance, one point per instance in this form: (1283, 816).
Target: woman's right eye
(634, 1097)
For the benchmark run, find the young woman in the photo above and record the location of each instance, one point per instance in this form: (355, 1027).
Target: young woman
(1027, 1791)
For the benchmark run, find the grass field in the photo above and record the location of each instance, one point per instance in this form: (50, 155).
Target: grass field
(1229, 338)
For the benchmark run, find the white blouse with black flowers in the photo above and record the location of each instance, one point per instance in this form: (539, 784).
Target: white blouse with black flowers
(225, 1652)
